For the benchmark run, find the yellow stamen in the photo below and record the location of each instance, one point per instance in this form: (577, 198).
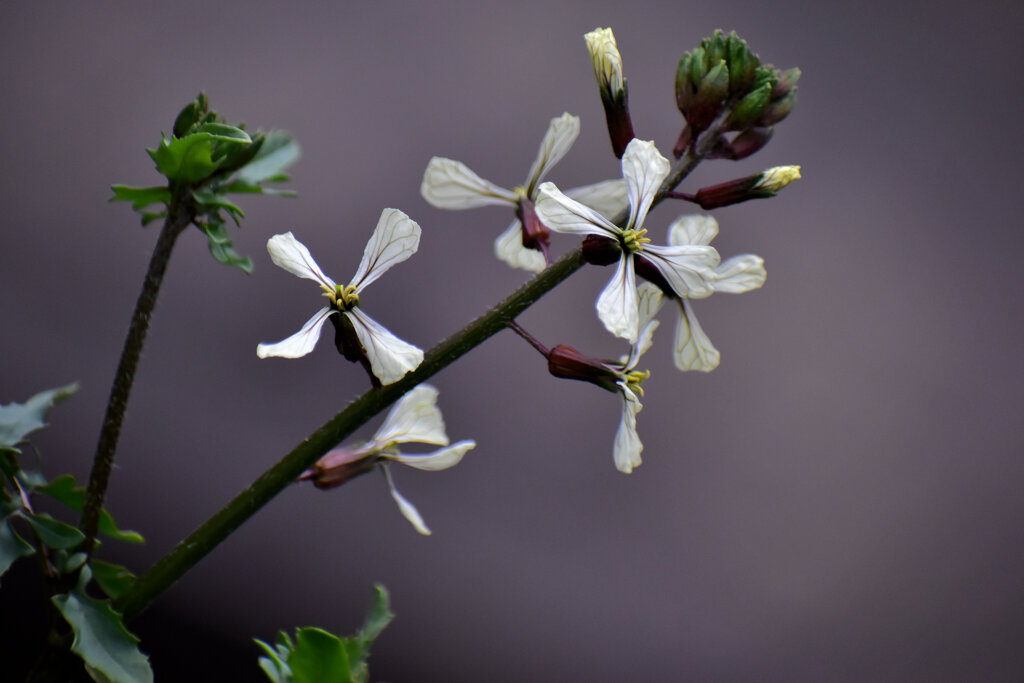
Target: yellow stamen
(634, 240)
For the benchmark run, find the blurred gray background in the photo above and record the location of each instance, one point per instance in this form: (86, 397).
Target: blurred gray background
(840, 500)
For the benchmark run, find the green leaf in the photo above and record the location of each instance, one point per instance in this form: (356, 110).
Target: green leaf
(18, 420)
(148, 218)
(211, 202)
(112, 578)
(53, 533)
(221, 247)
(12, 546)
(279, 151)
(273, 665)
(64, 488)
(318, 656)
(379, 617)
(110, 652)
(192, 158)
(140, 197)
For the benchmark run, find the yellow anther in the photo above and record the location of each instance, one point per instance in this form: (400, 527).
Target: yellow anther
(634, 378)
(634, 240)
(342, 297)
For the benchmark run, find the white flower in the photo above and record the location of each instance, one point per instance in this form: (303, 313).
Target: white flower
(395, 239)
(415, 418)
(449, 184)
(688, 269)
(742, 273)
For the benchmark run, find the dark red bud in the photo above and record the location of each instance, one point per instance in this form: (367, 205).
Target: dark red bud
(600, 251)
(535, 234)
(568, 363)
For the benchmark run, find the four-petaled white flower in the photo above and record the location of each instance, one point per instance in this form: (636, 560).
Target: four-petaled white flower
(688, 269)
(449, 184)
(742, 273)
(415, 418)
(395, 239)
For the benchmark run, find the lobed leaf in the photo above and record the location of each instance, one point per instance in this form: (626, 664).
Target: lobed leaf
(12, 547)
(19, 420)
(52, 532)
(64, 488)
(221, 247)
(109, 651)
(140, 197)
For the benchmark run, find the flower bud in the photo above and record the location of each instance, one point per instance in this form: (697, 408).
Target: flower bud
(190, 115)
(337, 467)
(568, 363)
(535, 234)
(760, 186)
(607, 61)
(743, 145)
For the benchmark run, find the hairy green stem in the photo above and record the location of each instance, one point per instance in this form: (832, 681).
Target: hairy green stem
(203, 540)
(179, 216)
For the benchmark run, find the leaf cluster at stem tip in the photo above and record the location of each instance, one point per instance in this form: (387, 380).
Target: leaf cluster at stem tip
(204, 160)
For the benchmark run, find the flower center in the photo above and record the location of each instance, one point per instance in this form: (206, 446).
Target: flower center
(634, 240)
(342, 297)
(634, 378)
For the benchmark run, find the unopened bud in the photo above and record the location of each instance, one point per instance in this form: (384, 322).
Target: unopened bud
(535, 234)
(749, 109)
(743, 145)
(760, 186)
(337, 467)
(607, 61)
(568, 363)
(190, 115)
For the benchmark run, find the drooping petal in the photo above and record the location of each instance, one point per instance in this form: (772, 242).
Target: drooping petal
(740, 274)
(607, 197)
(693, 348)
(300, 343)
(696, 228)
(390, 357)
(396, 238)
(627, 442)
(644, 169)
(560, 136)
(509, 248)
(689, 269)
(414, 418)
(438, 460)
(617, 306)
(563, 214)
(407, 509)
(292, 255)
(450, 184)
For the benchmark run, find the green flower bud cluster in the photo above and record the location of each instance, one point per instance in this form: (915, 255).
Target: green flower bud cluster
(722, 77)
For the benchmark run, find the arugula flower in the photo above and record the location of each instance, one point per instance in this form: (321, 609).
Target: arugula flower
(415, 418)
(688, 269)
(449, 184)
(395, 239)
(742, 273)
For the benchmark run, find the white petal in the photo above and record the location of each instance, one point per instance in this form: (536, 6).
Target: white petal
(449, 184)
(607, 197)
(407, 509)
(509, 248)
(689, 269)
(644, 169)
(300, 343)
(390, 357)
(438, 460)
(696, 228)
(560, 136)
(627, 442)
(396, 238)
(694, 350)
(562, 214)
(617, 306)
(292, 255)
(740, 274)
(650, 299)
(415, 417)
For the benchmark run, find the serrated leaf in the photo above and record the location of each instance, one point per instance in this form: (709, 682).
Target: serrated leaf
(212, 201)
(102, 641)
(380, 615)
(54, 533)
(191, 158)
(318, 656)
(273, 665)
(221, 248)
(12, 546)
(64, 488)
(222, 131)
(279, 151)
(19, 420)
(140, 197)
(112, 578)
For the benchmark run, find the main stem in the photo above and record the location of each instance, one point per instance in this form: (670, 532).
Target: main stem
(179, 216)
(186, 554)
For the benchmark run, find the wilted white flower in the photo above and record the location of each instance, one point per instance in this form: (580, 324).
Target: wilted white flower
(688, 269)
(415, 418)
(449, 184)
(395, 239)
(742, 273)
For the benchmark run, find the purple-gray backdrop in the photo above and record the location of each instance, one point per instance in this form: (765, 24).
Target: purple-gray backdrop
(840, 500)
